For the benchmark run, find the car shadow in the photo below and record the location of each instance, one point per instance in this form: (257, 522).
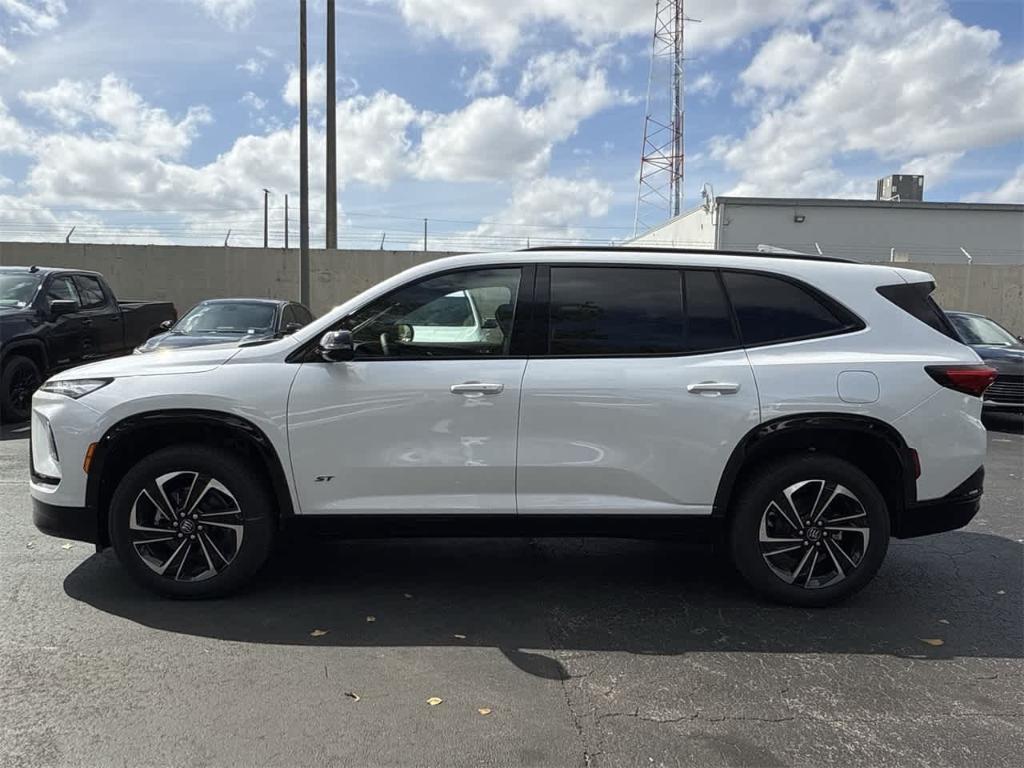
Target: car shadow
(1012, 423)
(526, 597)
(14, 431)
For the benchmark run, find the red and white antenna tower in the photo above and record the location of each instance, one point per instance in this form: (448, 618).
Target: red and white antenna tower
(661, 165)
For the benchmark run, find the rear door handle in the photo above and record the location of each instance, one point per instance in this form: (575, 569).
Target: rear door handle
(476, 388)
(713, 388)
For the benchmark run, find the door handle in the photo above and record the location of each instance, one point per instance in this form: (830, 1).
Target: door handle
(476, 388)
(713, 388)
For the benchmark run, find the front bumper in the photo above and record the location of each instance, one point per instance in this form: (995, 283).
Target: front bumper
(955, 510)
(76, 523)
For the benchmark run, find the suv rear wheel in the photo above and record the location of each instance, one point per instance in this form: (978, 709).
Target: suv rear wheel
(192, 522)
(809, 530)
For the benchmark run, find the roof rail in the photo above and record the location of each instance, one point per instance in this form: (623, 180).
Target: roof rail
(696, 251)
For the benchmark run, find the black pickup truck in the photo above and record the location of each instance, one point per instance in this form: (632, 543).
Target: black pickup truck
(51, 319)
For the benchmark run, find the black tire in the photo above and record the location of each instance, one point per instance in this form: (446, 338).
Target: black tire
(854, 546)
(231, 525)
(20, 378)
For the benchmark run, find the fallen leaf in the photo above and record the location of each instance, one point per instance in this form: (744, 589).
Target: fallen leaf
(1001, 592)
(353, 696)
(434, 701)
(65, 546)
(943, 621)
(485, 711)
(933, 641)
(371, 619)
(406, 595)
(318, 633)
(461, 637)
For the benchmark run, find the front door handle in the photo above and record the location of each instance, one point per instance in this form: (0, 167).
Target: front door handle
(476, 388)
(713, 388)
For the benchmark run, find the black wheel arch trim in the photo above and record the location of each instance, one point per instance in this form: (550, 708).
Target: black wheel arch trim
(239, 426)
(18, 346)
(810, 423)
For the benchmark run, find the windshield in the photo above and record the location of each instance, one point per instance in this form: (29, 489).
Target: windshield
(222, 317)
(981, 330)
(17, 290)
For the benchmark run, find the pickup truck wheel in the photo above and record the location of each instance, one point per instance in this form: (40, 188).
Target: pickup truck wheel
(19, 380)
(809, 530)
(192, 522)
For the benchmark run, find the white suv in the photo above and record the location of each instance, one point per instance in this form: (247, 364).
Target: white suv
(807, 409)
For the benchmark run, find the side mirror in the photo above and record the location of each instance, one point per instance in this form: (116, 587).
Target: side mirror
(166, 325)
(291, 328)
(337, 346)
(60, 307)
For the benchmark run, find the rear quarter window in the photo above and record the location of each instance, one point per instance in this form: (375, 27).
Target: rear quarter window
(771, 310)
(915, 299)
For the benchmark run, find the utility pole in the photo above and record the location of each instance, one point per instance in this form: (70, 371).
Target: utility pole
(303, 162)
(332, 133)
(266, 217)
(424, 235)
(286, 222)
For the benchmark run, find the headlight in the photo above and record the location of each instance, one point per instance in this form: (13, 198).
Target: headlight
(74, 388)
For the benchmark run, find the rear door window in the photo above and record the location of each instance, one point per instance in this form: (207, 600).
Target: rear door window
(615, 311)
(771, 310)
(91, 291)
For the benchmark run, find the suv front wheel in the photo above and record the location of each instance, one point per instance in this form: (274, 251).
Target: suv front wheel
(809, 530)
(192, 522)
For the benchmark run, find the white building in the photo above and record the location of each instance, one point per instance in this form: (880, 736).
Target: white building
(865, 230)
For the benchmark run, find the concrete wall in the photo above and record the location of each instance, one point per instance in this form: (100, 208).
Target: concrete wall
(694, 229)
(187, 275)
(988, 289)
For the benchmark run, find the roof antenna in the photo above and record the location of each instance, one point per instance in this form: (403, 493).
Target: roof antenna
(34, 268)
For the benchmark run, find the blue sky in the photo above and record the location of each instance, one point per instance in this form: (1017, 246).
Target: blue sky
(161, 120)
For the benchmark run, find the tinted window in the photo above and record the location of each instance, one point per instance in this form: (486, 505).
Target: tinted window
(615, 311)
(302, 315)
(61, 289)
(455, 315)
(231, 317)
(915, 299)
(287, 316)
(708, 321)
(773, 310)
(90, 290)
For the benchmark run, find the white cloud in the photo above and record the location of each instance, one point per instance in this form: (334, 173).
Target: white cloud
(499, 27)
(253, 66)
(787, 62)
(316, 86)
(7, 58)
(113, 103)
(704, 84)
(1010, 191)
(373, 139)
(910, 84)
(253, 101)
(31, 17)
(498, 137)
(231, 13)
(14, 138)
(482, 82)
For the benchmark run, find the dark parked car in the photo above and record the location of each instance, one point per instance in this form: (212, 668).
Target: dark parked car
(220, 321)
(52, 319)
(1000, 349)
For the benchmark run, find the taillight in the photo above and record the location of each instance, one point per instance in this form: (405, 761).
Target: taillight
(969, 379)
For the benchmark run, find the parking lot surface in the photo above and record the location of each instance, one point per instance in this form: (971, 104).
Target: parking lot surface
(567, 652)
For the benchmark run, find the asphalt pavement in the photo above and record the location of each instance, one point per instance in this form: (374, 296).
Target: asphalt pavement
(564, 652)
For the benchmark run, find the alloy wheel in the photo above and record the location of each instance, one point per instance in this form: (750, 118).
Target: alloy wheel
(23, 384)
(814, 534)
(186, 526)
